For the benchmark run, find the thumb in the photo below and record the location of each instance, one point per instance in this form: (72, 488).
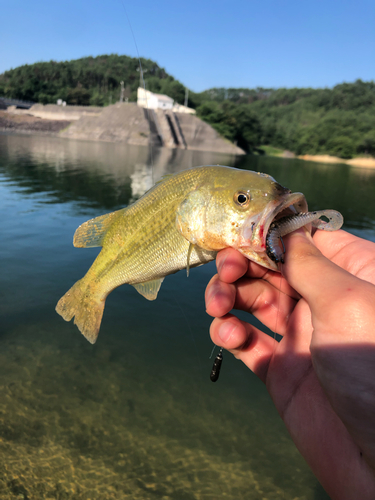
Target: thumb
(309, 272)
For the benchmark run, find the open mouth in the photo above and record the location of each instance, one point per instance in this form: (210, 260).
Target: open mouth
(294, 204)
(256, 230)
(261, 235)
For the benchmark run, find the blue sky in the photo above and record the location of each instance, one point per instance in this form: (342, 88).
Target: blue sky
(204, 44)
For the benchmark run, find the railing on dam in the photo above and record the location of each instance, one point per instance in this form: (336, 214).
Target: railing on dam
(5, 102)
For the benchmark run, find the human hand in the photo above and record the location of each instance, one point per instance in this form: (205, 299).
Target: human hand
(321, 376)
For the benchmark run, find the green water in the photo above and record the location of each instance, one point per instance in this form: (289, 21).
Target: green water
(134, 416)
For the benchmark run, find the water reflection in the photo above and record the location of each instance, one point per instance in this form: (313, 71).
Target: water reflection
(89, 173)
(135, 415)
(111, 176)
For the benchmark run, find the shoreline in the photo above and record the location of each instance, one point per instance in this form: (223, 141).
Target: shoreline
(354, 162)
(25, 123)
(17, 123)
(358, 161)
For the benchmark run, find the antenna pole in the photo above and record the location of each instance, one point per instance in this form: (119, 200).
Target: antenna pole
(122, 92)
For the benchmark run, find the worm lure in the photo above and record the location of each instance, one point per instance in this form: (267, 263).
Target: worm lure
(327, 220)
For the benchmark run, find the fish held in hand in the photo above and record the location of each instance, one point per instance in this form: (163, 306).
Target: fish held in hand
(182, 222)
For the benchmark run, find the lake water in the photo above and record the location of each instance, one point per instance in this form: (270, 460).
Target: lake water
(135, 416)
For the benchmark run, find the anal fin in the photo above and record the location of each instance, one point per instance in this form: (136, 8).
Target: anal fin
(149, 289)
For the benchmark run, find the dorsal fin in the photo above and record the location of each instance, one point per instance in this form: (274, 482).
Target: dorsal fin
(149, 289)
(92, 232)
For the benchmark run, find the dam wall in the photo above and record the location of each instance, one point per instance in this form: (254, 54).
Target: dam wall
(131, 124)
(121, 122)
(55, 112)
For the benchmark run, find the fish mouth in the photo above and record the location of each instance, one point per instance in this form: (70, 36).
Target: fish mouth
(295, 203)
(256, 230)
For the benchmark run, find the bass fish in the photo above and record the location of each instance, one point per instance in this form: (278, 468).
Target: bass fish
(180, 223)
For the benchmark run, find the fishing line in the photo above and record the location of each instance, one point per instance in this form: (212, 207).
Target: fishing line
(219, 358)
(143, 83)
(189, 328)
(194, 343)
(281, 262)
(214, 347)
(152, 166)
(215, 372)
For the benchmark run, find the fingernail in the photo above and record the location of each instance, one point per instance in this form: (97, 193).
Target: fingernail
(212, 291)
(221, 263)
(225, 331)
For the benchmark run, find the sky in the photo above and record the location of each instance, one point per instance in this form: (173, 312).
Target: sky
(202, 43)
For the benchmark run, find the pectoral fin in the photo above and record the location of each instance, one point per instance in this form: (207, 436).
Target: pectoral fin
(149, 289)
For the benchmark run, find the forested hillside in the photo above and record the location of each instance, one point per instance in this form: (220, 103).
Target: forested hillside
(94, 81)
(338, 121)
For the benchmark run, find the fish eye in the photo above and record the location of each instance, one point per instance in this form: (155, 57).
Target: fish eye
(242, 198)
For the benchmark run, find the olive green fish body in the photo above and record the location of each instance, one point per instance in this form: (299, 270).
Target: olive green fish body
(181, 222)
(142, 242)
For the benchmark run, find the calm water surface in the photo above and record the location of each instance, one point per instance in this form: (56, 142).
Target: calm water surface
(134, 416)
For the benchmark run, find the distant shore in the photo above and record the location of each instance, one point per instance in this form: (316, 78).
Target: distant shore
(23, 122)
(360, 161)
(355, 162)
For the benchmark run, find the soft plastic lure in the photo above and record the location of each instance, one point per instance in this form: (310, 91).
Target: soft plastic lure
(215, 372)
(333, 221)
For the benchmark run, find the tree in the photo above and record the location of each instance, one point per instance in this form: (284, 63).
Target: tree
(235, 122)
(78, 96)
(341, 146)
(367, 145)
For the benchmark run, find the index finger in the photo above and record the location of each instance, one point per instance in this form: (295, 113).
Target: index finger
(232, 265)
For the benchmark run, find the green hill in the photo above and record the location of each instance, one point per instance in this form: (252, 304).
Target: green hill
(338, 121)
(88, 81)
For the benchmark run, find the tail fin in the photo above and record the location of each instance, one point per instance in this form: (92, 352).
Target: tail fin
(86, 309)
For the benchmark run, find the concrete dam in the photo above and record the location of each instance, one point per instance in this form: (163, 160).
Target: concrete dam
(131, 124)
